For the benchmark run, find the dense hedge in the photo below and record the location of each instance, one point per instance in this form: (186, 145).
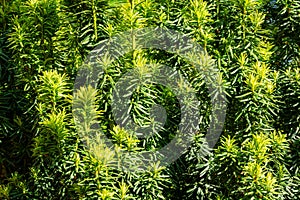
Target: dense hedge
(254, 43)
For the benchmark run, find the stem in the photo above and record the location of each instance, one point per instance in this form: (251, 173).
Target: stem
(132, 25)
(94, 20)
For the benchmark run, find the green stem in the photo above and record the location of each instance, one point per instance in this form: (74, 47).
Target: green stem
(94, 20)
